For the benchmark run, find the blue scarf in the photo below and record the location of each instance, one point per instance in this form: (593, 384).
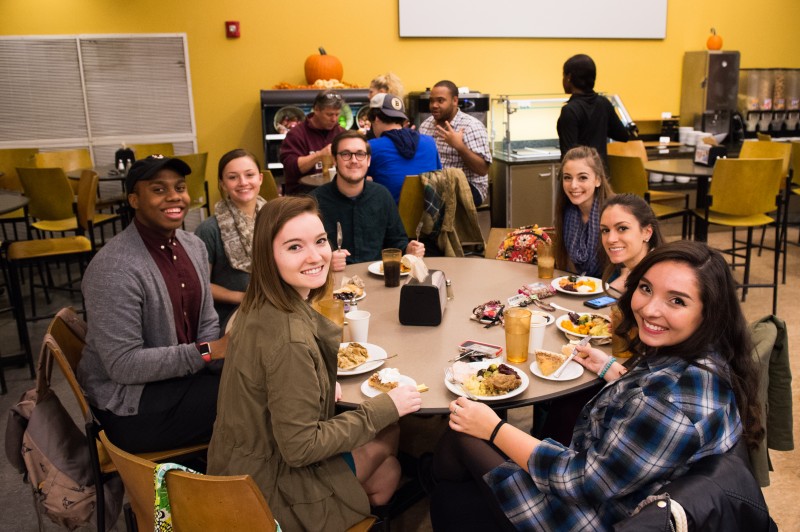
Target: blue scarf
(581, 239)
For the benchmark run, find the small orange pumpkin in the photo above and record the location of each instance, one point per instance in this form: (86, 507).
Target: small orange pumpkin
(714, 41)
(323, 66)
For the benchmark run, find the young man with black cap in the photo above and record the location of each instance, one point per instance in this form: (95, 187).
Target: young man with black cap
(397, 151)
(147, 366)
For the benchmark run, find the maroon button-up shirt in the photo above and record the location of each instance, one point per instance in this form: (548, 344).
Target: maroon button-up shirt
(181, 279)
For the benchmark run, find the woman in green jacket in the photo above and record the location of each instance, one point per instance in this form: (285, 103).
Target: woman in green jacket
(275, 412)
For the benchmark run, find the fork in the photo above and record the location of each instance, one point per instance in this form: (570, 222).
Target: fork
(448, 372)
(419, 229)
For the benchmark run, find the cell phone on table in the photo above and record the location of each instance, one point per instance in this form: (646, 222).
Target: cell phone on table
(600, 302)
(481, 349)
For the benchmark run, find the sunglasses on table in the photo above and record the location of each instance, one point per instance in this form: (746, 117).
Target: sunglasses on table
(347, 155)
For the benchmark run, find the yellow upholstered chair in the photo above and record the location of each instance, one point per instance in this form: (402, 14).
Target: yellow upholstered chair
(141, 151)
(67, 160)
(196, 181)
(10, 159)
(742, 193)
(629, 176)
(411, 204)
(269, 188)
(197, 502)
(635, 148)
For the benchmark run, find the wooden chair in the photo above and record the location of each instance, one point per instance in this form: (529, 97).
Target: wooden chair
(742, 193)
(197, 502)
(10, 159)
(142, 151)
(196, 181)
(67, 160)
(496, 236)
(628, 175)
(635, 148)
(269, 188)
(68, 331)
(411, 204)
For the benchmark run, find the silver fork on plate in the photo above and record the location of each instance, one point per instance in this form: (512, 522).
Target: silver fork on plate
(451, 378)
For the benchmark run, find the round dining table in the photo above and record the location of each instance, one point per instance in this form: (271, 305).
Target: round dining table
(314, 180)
(11, 201)
(689, 168)
(424, 352)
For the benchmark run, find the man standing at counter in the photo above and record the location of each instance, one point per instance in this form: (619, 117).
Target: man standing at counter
(305, 146)
(366, 211)
(587, 119)
(461, 139)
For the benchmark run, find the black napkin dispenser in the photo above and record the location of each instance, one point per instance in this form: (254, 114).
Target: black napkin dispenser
(423, 302)
(707, 155)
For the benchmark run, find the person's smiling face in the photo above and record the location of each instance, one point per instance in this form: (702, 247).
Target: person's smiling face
(579, 182)
(624, 240)
(241, 180)
(302, 253)
(667, 304)
(161, 202)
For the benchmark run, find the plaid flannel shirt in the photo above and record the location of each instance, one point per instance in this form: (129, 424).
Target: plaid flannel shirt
(637, 434)
(475, 137)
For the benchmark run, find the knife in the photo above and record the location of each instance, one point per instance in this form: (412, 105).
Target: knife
(419, 229)
(338, 236)
(558, 372)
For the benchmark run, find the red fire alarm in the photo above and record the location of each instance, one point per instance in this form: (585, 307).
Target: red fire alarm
(232, 29)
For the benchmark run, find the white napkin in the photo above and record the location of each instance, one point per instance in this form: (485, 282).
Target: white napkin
(419, 270)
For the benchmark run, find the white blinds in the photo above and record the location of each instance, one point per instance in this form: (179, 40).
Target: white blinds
(95, 90)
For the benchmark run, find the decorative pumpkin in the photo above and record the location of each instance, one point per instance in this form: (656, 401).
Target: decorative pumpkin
(323, 66)
(714, 41)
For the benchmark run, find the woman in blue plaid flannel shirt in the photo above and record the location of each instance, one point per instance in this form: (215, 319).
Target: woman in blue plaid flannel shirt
(691, 394)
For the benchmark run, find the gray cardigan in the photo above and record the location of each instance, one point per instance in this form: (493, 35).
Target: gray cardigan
(131, 338)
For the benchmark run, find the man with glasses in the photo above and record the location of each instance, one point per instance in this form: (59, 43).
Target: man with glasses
(397, 151)
(308, 143)
(366, 211)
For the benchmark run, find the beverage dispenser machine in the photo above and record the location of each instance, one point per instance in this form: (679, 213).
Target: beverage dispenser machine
(709, 90)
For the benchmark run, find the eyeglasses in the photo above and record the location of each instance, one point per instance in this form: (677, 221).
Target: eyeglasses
(347, 155)
(333, 96)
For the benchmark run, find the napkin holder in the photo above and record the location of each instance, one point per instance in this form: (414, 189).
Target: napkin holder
(423, 302)
(707, 155)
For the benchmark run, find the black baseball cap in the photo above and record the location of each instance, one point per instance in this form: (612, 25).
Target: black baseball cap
(146, 169)
(389, 104)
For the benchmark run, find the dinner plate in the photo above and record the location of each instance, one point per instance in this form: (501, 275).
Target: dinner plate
(359, 298)
(458, 390)
(375, 358)
(598, 283)
(549, 317)
(369, 391)
(572, 371)
(578, 335)
(375, 268)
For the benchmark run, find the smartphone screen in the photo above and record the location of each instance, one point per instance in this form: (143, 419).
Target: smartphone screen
(600, 302)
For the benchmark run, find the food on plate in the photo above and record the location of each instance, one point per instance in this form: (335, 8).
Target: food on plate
(549, 362)
(588, 324)
(385, 380)
(574, 283)
(496, 379)
(351, 355)
(351, 288)
(403, 268)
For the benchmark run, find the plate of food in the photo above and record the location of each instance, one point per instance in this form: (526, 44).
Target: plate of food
(377, 268)
(487, 380)
(576, 325)
(384, 381)
(351, 354)
(546, 363)
(349, 292)
(577, 285)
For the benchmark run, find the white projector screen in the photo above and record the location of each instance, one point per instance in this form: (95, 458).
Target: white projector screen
(581, 19)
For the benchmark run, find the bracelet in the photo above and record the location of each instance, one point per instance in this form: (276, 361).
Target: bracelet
(606, 367)
(496, 429)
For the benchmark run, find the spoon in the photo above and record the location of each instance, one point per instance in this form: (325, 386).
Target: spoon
(565, 308)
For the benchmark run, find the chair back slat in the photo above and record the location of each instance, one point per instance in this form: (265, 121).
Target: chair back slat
(195, 182)
(768, 150)
(411, 203)
(10, 160)
(142, 151)
(49, 193)
(87, 198)
(744, 187)
(269, 189)
(795, 163)
(627, 174)
(632, 148)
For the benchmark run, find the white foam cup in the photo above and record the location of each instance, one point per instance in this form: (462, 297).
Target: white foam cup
(358, 321)
(536, 339)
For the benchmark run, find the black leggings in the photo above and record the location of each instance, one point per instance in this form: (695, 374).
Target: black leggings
(462, 500)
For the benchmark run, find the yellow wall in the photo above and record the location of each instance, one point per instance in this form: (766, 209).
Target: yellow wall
(277, 36)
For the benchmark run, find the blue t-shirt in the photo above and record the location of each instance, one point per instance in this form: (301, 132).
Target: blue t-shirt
(389, 168)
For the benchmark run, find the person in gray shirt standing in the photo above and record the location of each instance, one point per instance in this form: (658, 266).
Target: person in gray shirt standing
(152, 331)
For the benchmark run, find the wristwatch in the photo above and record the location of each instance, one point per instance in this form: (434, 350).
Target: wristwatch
(205, 351)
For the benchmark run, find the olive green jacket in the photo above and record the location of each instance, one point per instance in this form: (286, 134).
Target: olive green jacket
(276, 422)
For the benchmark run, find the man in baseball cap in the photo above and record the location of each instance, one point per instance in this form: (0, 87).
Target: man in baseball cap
(397, 151)
(147, 366)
